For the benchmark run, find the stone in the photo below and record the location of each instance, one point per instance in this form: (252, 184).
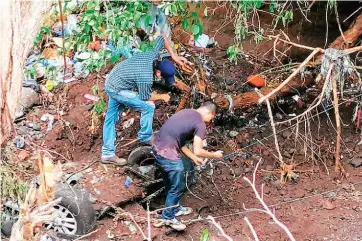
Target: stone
(36, 127)
(279, 116)
(328, 205)
(23, 130)
(291, 151)
(286, 134)
(23, 155)
(233, 134)
(286, 154)
(356, 162)
(28, 98)
(229, 81)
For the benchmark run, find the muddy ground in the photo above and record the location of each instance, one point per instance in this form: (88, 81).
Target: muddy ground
(318, 205)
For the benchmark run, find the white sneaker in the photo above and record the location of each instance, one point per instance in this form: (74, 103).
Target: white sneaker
(173, 223)
(183, 211)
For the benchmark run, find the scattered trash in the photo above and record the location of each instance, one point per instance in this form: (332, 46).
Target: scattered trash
(20, 142)
(299, 101)
(146, 169)
(31, 84)
(50, 53)
(256, 81)
(68, 80)
(49, 85)
(202, 41)
(44, 117)
(71, 28)
(58, 42)
(83, 56)
(80, 71)
(128, 182)
(128, 123)
(50, 123)
(19, 114)
(213, 95)
(130, 226)
(91, 97)
(233, 134)
(95, 179)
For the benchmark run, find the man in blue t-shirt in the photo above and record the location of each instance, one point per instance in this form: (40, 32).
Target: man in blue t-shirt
(129, 85)
(169, 142)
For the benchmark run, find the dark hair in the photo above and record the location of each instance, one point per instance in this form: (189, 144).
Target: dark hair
(210, 106)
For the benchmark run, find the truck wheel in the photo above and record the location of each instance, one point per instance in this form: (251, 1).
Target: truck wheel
(76, 214)
(141, 156)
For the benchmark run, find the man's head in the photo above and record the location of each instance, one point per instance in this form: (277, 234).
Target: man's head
(207, 111)
(165, 69)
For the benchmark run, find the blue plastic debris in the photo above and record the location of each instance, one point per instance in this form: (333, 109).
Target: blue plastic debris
(128, 182)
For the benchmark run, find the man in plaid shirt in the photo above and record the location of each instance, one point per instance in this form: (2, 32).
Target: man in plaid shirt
(129, 84)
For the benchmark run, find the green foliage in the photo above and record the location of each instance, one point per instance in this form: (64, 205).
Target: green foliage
(100, 106)
(44, 31)
(12, 186)
(232, 53)
(204, 235)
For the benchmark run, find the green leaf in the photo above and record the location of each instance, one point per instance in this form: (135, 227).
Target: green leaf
(204, 235)
(147, 20)
(174, 9)
(195, 29)
(185, 24)
(92, 22)
(114, 58)
(198, 5)
(258, 4)
(205, 11)
(194, 15)
(99, 107)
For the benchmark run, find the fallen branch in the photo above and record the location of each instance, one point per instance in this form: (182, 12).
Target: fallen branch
(218, 226)
(266, 209)
(338, 165)
(251, 228)
(86, 235)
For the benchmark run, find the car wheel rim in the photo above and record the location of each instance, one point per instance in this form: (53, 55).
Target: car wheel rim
(64, 222)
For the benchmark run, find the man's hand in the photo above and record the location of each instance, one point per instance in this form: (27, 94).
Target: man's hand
(218, 154)
(166, 98)
(180, 60)
(198, 161)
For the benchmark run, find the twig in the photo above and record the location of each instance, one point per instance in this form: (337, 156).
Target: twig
(274, 131)
(338, 165)
(266, 209)
(139, 228)
(295, 44)
(87, 235)
(148, 222)
(352, 14)
(251, 228)
(85, 168)
(316, 50)
(218, 226)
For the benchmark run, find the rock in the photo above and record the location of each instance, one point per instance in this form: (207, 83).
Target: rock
(282, 192)
(286, 134)
(28, 98)
(23, 155)
(213, 95)
(291, 151)
(36, 127)
(279, 116)
(286, 154)
(23, 130)
(223, 178)
(328, 205)
(40, 136)
(356, 162)
(233, 134)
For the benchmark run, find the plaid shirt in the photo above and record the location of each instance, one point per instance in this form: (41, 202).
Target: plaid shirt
(135, 73)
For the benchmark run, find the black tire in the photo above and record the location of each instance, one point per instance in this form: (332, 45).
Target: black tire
(140, 155)
(76, 200)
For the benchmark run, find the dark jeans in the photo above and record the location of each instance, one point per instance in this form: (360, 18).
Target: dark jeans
(173, 175)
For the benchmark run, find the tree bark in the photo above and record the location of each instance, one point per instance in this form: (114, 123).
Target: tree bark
(19, 24)
(248, 99)
(351, 35)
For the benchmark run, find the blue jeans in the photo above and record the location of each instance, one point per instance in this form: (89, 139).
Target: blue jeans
(116, 104)
(173, 175)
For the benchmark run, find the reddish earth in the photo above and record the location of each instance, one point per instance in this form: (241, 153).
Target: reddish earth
(318, 206)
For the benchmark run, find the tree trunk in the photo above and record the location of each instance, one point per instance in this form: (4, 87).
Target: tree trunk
(20, 22)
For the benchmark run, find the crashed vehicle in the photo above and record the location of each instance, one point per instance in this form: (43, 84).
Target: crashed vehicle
(75, 214)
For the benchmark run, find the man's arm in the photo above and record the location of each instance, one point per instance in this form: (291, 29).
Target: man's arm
(192, 156)
(200, 151)
(178, 59)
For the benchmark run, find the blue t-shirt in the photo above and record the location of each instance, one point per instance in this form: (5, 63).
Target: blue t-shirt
(179, 129)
